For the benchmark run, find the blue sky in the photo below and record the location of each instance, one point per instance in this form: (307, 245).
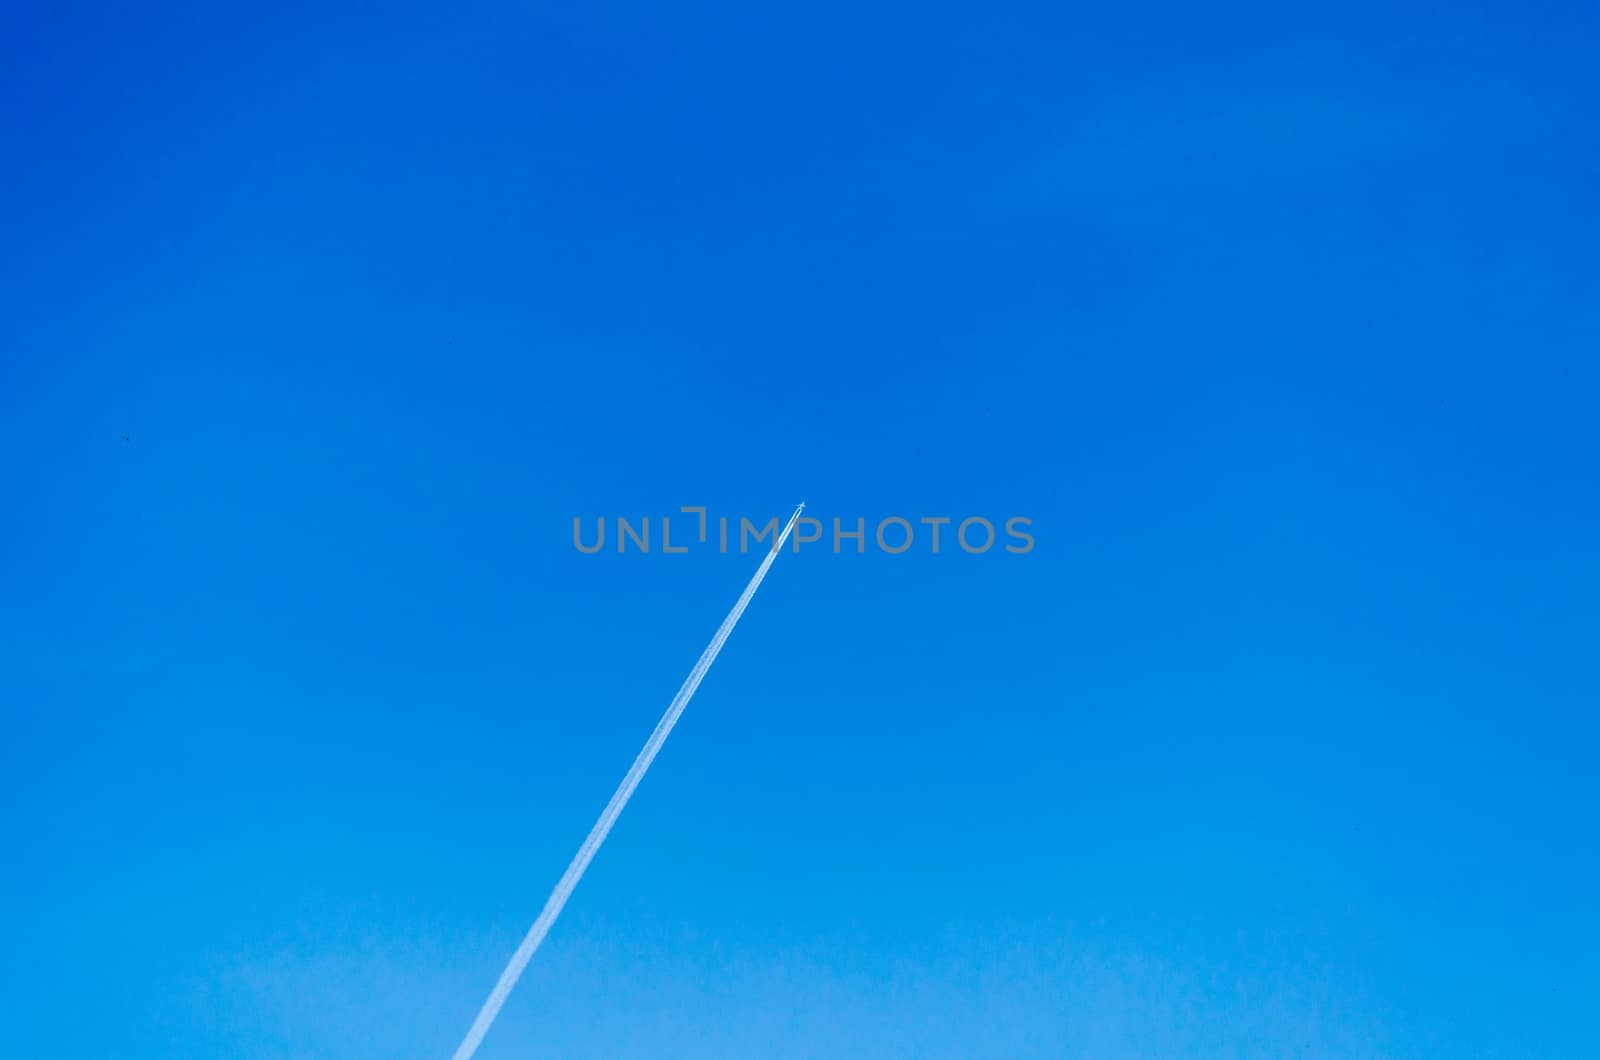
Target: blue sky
(318, 325)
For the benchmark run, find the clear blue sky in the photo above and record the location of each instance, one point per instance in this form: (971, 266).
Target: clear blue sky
(1281, 325)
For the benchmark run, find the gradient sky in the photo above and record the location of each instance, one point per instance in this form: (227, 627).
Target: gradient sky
(319, 324)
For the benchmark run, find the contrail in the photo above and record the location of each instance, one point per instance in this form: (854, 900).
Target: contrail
(608, 817)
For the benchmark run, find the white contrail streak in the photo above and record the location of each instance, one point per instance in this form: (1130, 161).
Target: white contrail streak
(597, 834)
